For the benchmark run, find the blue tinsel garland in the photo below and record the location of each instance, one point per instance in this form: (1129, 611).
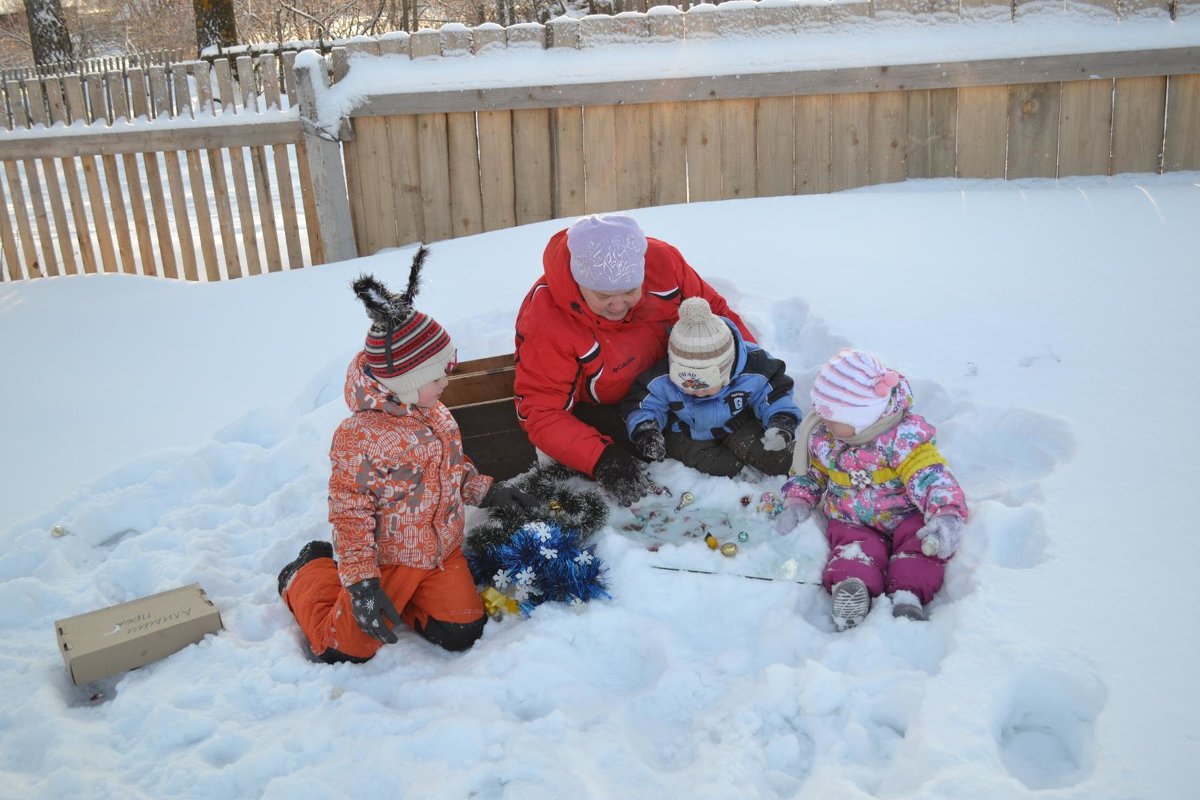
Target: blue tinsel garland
(541, 562)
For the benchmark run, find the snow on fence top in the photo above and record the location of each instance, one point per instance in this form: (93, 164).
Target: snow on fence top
(784, 37)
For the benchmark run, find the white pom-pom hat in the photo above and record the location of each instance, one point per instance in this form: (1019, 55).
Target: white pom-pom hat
(853, 388)
(700, 352)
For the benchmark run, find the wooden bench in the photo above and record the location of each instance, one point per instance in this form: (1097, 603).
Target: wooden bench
(480, 396)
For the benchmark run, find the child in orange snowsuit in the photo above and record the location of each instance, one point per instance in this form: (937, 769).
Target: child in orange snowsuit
(397, 490)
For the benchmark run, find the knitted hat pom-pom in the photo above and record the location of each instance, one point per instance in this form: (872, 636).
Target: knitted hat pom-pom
(694, 310)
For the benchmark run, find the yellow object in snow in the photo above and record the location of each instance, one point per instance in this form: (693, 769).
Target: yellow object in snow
(496, 603)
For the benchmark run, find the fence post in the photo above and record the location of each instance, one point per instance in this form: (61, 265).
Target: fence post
(325, 163)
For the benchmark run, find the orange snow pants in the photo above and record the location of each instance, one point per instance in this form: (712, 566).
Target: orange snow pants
(440, 604)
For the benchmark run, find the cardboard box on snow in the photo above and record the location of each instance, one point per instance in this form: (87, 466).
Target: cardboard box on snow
(102, 643)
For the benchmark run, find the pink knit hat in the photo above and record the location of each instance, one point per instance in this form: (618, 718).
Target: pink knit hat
(853, 388)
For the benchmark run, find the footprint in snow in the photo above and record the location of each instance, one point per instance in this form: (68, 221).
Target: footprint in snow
(1047, 736)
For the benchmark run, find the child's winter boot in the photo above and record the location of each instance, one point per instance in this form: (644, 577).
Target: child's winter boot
(310, 552)
(851, 602)
(906, 604)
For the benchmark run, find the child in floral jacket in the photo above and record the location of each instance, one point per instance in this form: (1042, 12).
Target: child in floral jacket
(397, 490)
(895, 511)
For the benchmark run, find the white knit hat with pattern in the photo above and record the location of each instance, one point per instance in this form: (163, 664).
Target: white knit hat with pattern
(853, 388)
(700, 352)
(608, 252)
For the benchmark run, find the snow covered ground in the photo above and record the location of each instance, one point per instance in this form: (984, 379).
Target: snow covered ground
(179, 433)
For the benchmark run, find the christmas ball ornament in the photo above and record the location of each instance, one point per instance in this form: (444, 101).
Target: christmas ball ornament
(746, 499)
(729, 549)
(684, 499)
(930, 546)
(58, 531)
(711, 541)
(743, 536)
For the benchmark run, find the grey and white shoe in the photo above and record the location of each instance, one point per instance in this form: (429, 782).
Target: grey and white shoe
(851, 602)
(906, 604)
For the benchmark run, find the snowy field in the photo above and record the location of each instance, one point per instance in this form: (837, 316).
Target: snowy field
(179, 433)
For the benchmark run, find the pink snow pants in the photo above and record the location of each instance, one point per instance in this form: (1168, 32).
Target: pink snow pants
(885, 563)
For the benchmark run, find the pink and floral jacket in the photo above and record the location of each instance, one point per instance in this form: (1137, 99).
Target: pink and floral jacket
(398, 483)
(879, 483)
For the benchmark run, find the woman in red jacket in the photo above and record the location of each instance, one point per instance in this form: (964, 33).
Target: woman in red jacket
(596, 319)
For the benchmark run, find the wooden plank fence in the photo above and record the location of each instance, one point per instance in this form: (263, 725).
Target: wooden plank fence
(206, 173)
(493, 157)
(192, 171)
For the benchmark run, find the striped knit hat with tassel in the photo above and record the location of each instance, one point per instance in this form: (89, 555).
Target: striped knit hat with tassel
(405, 349)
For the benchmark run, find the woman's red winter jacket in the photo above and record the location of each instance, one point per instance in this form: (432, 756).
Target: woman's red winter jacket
(566, 354)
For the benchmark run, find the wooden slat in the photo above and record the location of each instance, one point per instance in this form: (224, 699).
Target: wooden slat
(704, 150)
(1183, 124)
(567, 126)
(265, 208)
(160, 107)
(64, 238)
(738, 170)
(283, 172)
(600, 159)
(198, 191)
(1033, 119)
(479, 387)
(1085, 128)
(355, 162)
(29, 255)
(497, 181)
(82, 227)
(97, 205)
(221, 198)
(308, 200)
(887, 135)
(982, 131)
(47, 262)
(134, 187)
(1139, 107)
(466, 205)
(8, 242)
(112, 179)
(405, 188)
(775, 140)
(932, 120)
(880, 78)
(633, 156)
(814, 144)
(850, 157)
(435, 176)
(373, 149)
(668, 153)
(140, 97)
(532, 166)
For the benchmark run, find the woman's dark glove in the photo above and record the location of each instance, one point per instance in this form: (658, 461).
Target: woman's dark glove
(509, 498)
(372, 609)
(621, 475)
(648, 440)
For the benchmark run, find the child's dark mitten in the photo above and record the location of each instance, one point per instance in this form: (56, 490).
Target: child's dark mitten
(621, 475)
(648, 439)
(373, 609)
(781, 431)
(509, 498)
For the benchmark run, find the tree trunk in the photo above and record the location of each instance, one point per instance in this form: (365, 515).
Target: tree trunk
(48, 34)
(215, 25)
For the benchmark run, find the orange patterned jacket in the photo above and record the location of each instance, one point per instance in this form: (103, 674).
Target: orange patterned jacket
(399, 481)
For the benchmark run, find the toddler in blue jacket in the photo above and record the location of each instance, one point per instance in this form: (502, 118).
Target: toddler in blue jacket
(716, 402)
